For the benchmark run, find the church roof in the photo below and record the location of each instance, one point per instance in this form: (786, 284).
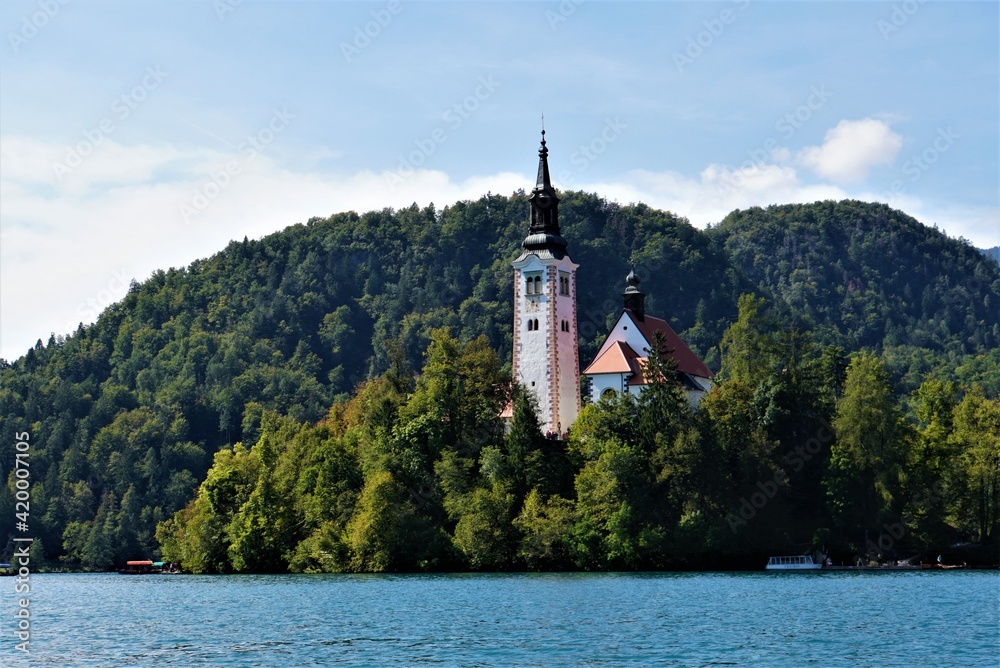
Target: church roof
(687, 361)
(619, 358)
(640, 378)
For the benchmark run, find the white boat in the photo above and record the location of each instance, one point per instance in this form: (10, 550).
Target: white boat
(797, 563)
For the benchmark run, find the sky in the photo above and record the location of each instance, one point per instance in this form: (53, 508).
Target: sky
(143, 136)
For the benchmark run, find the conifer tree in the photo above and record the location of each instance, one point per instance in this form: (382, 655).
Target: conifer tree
(863, 480)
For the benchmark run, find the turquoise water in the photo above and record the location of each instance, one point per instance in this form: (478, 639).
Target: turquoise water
(687, 619)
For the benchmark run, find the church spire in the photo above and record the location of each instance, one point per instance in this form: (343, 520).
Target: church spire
(543, 234)
(543, 182)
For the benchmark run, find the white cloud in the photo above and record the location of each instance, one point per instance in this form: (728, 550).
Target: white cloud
(717, 191)
(66, 249)
(72, 170)
(851, 148)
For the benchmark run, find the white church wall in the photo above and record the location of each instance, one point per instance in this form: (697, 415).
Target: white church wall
(530, 367)
(604, 381)
(625, 330)
(567, 358)
(546, 360)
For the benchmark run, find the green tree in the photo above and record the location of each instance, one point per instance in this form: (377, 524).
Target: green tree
(976, 438)
(662, 408)
(484, 532)
(546, 526)
(930, 466)
(863, 479)
(375, 533)
(748, 345)
(737, 439)
(36, 554)
(523, 440)
(99, 552)
(198, 536)
(612, 492)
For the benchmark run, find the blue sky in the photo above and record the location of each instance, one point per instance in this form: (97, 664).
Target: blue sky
(137, 136)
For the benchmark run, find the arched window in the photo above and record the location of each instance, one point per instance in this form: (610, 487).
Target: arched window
(563, 283)
(531, 325)
(533, 283)
(608, 393)
(536, 323)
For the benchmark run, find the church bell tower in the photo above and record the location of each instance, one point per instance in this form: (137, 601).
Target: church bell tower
(546, 357)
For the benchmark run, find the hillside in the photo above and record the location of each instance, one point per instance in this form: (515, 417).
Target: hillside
(993, 253)
(867, 276)
(125, 415)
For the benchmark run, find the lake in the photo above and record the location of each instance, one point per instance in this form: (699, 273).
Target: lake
(626, 619)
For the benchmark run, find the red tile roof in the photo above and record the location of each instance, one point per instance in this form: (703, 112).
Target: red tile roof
(686, 360)
(639, 378)
(619, 358)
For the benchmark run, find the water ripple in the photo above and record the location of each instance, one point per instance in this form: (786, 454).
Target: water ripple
(551, 620)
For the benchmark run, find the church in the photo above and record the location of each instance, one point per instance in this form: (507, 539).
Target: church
(621, 360)
(546, 353)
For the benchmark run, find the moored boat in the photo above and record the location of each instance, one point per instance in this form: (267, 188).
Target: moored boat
(146, 567)
(165, 568)
(138, 567)
(793, 563)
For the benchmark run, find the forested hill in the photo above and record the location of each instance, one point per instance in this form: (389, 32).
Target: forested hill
(867, 276)
(993, 253)
(126, 414)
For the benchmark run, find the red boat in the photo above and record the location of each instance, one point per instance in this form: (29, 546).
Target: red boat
(144, 567)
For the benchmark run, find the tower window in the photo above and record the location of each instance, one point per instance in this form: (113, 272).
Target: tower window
(536, 323)
(563, 283)
(533, 283)
(531, 325)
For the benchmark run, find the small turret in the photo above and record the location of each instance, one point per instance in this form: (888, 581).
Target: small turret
(635, 299)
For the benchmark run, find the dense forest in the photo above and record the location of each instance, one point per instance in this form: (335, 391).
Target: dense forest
(272, 386)
(796, 449)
